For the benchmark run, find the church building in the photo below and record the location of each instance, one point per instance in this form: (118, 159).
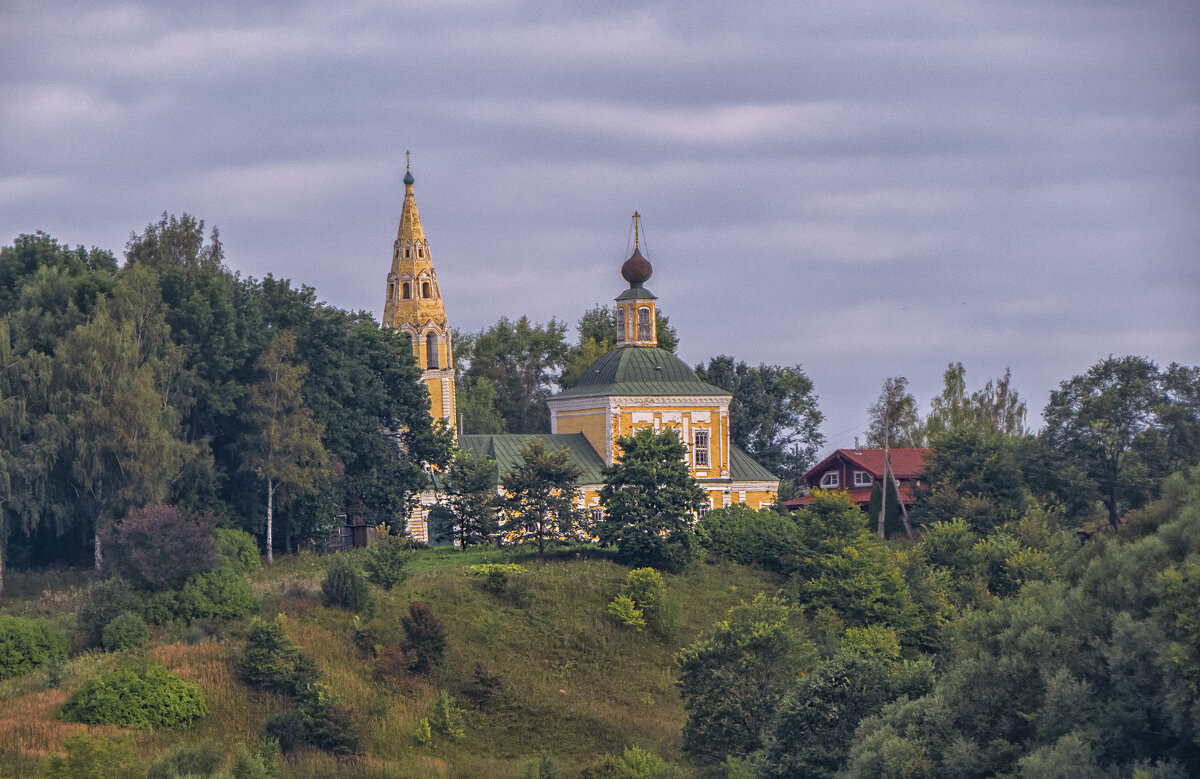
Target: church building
(634, 385)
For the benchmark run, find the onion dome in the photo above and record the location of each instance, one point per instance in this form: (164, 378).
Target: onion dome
(636, 269)
(408, 178)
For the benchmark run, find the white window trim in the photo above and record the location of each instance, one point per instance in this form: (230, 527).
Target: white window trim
(863, 482)
(828, 483)
(701, 453)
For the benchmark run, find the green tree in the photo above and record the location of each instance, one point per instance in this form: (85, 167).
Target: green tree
(476, 406)
(733, 677)
(649, 498)
(539, 496)
(284, 445)
(773, 415)
(522, 361)
(119, 387)
(995, 409)
(895, 420)
(1111, 422)
(471, 493)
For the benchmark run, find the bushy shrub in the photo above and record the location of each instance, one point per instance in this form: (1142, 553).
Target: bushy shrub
(145, 696)
(258, 762)
(270, 661)
(221, 594)
(624, 610)
(103, 601)
(750, 537)
(236, 549)
(608, 767)
(484, 686)
(126, 631)
(651, 603)
(158, 547)
(26, 644)
(386, 561)
(94, 757)
(424, 637)
(194, 761)
(287, 728)
(345, 586)
(503, 579)
(330, 725)
(446, 718)
(644, 764)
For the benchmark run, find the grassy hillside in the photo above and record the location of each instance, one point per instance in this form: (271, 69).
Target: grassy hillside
(573, 682)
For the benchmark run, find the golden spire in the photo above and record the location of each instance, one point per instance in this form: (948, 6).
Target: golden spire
(636, 239)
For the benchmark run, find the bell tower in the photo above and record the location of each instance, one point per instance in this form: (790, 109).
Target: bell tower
(414, 306)
(636, 321)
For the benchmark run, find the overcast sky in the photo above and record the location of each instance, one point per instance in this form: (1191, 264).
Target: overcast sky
(863, 189)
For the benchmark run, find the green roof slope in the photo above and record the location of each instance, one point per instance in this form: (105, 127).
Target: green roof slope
(506, 448)
(743, 467)
(639, 370)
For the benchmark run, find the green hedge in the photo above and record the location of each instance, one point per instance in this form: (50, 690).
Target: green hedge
(144, 696)
(26, 644)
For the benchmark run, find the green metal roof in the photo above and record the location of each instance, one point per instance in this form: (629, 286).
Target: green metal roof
(639, 370)
(743, 467)
(506, 448)
(637, 293)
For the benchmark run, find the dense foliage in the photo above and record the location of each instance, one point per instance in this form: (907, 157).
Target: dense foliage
(136, 387)
(26, 644)
(145, 696)
(649, 499)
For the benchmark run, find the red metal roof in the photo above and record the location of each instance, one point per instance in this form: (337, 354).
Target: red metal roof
(906, 463)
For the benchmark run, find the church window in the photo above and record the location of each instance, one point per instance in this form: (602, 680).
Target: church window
(431, 350)
(830, 480)
(407, 252)
(643, 324)
(703, 511)
(420, 252)
(425, 289)
(700, 448)
(391, 290)
(620, 324)
(406, 291)
(597, 515)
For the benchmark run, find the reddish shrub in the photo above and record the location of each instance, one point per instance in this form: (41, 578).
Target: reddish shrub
(158, 547)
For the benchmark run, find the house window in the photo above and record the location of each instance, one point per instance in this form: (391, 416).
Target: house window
(620, 324)
(830, 480)
(597, 515)
(862, 479)
(700, 448)
(425, 289)
(406, 291)
(431, 350)
(643, 324)
(702, 512)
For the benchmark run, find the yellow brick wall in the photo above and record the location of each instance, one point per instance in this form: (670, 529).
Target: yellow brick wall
(590, 422)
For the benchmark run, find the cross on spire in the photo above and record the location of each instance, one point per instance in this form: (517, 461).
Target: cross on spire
(636, 238)
(407, 160)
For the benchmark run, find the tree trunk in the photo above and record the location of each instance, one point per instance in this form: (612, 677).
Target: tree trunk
(97, 553)
(1114, 518)
(270, 504)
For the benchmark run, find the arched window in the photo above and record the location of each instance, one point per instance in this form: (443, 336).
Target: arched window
(620, 324)
(391, 290)
(425, 290)
(407, 252)
(420, 252)
(644, 324)
(406, 291)
(431, 350)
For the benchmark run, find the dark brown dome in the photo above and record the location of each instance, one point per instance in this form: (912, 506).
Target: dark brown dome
(636, 269)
